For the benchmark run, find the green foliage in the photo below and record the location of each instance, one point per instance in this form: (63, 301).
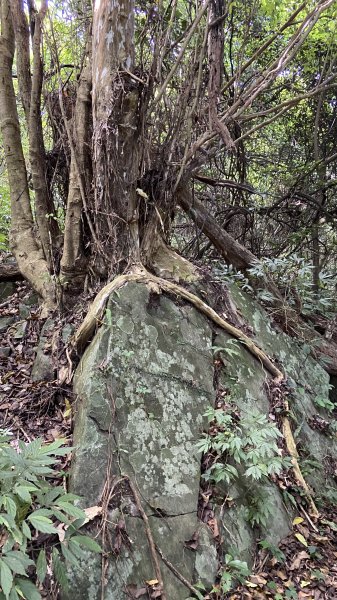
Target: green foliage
(258, 507)
(324, 402)
(252, 443)
(234, 571)
(273, 550)
(293, 275)
(231, 348)
(30, 504)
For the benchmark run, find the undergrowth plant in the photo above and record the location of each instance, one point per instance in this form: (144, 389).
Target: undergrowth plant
(293, 275)
(234, 571)
(249, 442)
(31, 505)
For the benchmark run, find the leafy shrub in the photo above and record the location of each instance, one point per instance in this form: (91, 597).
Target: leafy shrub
(293, 274)
(29, 505)
(234, 570)
(251, 442)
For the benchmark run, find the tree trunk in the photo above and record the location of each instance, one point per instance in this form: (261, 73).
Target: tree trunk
(234, 253)
(73, 262)
(30, 90)
(116, 95)
(28, 253)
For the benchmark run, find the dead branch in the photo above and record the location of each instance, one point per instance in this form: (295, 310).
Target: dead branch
(176, 572)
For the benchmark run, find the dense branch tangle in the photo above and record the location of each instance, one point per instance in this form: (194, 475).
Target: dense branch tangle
(154, 100)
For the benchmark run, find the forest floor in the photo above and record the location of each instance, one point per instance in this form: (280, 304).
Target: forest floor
(304, 566)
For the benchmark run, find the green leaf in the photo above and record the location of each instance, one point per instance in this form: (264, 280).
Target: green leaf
(41, 566)
(42, 524)
(10, 506)
(55, 448)
(69, 556)
(87, 542)
(20, 556)
(71, 510)
(6, 578)
(26, 531)
(28, 589)
(42, 512)
(23, 493)
(14, 564)
(13, 595)
(59, 570)
(76, 549)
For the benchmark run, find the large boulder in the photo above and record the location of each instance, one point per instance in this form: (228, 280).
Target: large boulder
(143, 386)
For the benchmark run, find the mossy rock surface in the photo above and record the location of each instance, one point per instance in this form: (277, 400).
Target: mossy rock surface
(143, 386)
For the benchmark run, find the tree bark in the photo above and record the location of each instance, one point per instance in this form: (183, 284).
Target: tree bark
(30, 89)
(73, 262)
(29, 255)
(115, 95)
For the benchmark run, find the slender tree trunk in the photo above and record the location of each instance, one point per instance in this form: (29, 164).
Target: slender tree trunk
(233, 252)
(321, 172)
(74, 262)
(30, 90)
(28, 253)
(115, 136)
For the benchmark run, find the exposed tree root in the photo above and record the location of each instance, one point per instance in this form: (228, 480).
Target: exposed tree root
(148, 535)
(96, 313)
(291, 447)
(176, 572)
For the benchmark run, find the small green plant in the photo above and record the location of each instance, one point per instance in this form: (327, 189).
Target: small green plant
(231, 348)
(29, 505)
(250, 442)
(258, 507)
(324, 402)
(273, 550)
(234, 571)
(332, 428)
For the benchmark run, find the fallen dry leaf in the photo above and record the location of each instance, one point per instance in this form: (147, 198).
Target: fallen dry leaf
(61, 531)
(92, 512)
(298, 559)
(193, 543)
(257, 579)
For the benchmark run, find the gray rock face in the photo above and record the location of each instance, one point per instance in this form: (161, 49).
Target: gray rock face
(43, 367)
(143, 386)
(244, 379)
